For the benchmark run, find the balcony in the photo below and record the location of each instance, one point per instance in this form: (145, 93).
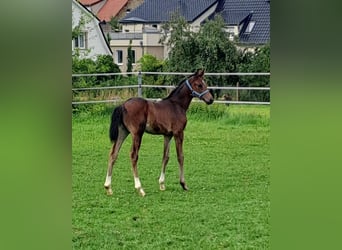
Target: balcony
(125, 36)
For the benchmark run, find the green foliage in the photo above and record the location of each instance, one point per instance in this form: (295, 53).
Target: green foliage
(209, 48)
(79, 27)
(259, 61)
(232, 115)
(203, 112)
(114, 24)
(215, 51)
(129, 57)
(102, 64)
(181, 40)
(149, 63)
(105, 64)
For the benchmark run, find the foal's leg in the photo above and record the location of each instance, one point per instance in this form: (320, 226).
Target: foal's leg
(167, 140)
(179, 148)
(134, 158)
(113, 155)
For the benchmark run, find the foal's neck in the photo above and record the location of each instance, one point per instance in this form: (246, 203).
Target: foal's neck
(182, 98)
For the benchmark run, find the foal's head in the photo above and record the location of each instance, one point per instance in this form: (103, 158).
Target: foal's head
(199, 88)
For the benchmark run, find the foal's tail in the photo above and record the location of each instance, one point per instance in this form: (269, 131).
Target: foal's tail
(116, 121)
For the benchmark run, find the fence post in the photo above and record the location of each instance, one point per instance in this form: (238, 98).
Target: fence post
(139, 84)
(237, 91)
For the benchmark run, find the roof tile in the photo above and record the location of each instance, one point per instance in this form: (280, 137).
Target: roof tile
(260, 10)
(89, 2)
(156, 11)
(111, 8)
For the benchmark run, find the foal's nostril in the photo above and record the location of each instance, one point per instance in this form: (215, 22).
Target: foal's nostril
(211, 100)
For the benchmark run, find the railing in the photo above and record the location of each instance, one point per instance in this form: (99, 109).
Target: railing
(140, 85)
(125, 36)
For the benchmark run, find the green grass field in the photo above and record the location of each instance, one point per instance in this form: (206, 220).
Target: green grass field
(227, 169)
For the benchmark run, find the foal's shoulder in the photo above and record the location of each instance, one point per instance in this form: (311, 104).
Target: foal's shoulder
(136, 99)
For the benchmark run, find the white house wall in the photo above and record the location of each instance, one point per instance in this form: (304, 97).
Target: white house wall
(96, 43)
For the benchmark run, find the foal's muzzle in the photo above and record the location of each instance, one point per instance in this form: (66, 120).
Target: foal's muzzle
(208, 98)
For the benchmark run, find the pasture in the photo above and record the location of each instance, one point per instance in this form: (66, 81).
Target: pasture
(227, 169)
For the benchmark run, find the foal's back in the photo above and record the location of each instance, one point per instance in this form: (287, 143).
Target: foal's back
(162, 117)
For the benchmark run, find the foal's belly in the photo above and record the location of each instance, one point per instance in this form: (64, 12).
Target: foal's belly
(157, 129)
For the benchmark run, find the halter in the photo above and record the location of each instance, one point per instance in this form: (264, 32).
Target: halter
(195, 93)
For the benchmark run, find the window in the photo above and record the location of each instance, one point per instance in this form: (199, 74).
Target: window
(250, 27)
(119, 57)
(79, 41)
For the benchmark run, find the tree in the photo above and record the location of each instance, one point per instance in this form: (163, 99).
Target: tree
(179, 38)
(129, 57)
(209, 48)
(258, 61)
(105, 64)
(114, 24)
(149, 63)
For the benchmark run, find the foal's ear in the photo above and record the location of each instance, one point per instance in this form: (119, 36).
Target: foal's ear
(200, 72)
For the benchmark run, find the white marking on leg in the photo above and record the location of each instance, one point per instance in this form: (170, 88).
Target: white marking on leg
(108, 181)
(137, 183)
(162, 178)
(107, 185)
(141, 192)
(161, 181)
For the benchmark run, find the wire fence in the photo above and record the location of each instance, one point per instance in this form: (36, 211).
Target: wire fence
(139, 86)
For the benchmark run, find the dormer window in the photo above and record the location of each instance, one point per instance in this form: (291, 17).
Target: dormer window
(250, 27)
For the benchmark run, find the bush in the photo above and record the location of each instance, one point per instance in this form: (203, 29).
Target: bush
(149, 63)
(102, 64)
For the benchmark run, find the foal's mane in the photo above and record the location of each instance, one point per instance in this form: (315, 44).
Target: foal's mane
(176, 90)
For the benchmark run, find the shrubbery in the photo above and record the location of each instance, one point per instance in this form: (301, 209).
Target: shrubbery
(102, 64)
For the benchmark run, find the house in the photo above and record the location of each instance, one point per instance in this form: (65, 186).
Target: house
(90, 41)
(142, 26)
(105, 10)
(246, 20)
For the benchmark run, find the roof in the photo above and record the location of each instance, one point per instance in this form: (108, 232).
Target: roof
(89, 2)
(236, 12)
(111, 9)
(235, 17)
(157, 11)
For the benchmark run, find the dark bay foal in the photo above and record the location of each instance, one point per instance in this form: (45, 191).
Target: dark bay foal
(166, 117)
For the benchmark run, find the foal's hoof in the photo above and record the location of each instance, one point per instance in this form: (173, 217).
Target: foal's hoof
(184, 186)
(109, 191)
(141, 192)
(162, 187)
